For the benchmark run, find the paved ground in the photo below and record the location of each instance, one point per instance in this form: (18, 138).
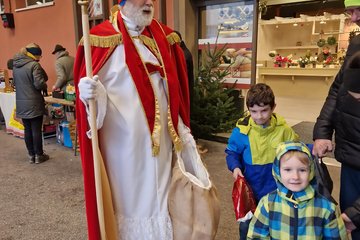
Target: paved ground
(46, 202)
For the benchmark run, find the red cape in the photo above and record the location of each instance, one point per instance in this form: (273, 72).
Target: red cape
(175, 68)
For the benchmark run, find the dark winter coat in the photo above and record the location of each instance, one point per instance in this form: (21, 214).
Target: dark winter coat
(30, 80)
(341, 113)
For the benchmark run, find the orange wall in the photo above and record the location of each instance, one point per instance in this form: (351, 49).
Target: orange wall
(170, 13)
(45, 26)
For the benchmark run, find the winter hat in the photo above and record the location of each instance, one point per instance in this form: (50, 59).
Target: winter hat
(352, 3)
(58, 48)
(34, 49)
(352, 73)
(122, 2)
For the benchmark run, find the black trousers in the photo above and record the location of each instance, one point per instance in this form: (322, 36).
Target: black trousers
(33, 135)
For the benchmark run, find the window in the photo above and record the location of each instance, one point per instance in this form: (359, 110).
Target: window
(37, 2)
(2, 7)
(230, 24)
(24, 5)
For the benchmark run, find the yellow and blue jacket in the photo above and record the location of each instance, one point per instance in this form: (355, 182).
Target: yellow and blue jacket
(251, 148)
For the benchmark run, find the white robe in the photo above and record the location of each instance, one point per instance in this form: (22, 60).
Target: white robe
(139, 181)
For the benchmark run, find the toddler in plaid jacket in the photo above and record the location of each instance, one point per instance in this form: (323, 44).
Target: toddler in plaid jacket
(295, 210)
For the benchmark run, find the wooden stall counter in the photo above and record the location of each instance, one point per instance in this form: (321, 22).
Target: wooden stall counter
(64, 102)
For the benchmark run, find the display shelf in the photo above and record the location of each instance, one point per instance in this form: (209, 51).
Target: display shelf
(326, 74)
(297, 47)
(327, 33)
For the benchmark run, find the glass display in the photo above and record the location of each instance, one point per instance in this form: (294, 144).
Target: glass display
(229, 24)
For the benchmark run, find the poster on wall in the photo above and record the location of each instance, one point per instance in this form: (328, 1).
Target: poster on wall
(230, 24)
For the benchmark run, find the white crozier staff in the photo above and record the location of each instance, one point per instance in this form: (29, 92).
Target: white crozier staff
(92, 120)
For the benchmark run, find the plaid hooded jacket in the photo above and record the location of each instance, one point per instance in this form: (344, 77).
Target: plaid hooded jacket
(306, 214)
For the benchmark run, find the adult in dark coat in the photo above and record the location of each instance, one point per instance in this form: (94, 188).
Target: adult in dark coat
(189, 66)
(30, 80)
(341, 113)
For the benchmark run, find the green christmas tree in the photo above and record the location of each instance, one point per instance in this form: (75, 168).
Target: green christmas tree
(213, 109)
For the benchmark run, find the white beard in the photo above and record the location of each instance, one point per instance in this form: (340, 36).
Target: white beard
(137, 15)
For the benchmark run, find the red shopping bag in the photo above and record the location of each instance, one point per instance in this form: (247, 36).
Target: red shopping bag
(243, 199)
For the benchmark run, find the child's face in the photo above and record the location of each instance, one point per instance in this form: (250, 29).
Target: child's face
(294, 174)
(261, 114)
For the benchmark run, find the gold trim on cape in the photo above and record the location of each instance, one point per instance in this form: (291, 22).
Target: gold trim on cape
(155, 136)
(173, 134)
(156, 133)
(173, 38)
(104, 41)
(171, 129)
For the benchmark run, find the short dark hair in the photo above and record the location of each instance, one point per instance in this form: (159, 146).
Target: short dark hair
(10, 64)
(261, 95)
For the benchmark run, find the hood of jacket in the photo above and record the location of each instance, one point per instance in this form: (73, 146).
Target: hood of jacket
(309, 191)
(21, 60)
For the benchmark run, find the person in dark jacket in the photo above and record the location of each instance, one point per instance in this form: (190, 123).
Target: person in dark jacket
(30, 80)
(341, 113)
(189, 67)
(64, 67)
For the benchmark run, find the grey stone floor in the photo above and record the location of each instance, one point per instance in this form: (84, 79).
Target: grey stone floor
(46, 201)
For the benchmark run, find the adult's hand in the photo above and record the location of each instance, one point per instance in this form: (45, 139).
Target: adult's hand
(350, 226)
(321, 147)
(88, 88)
(92, 88)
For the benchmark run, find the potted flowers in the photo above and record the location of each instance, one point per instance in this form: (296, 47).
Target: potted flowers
(303, 61)
(329, 60)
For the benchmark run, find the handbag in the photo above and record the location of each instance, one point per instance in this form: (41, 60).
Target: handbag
(193, 203)
(324, 182)
(243, 199)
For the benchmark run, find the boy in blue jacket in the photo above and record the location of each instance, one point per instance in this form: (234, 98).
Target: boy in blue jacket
(250, 152)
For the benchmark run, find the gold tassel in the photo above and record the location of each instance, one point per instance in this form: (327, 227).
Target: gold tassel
(173, 38)
(104, 41)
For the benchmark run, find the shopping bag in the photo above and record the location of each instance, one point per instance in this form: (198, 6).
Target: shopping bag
(243, 199)
(324, 182)
(193, 202)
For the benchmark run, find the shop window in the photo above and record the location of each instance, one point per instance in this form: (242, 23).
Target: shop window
(229, 24)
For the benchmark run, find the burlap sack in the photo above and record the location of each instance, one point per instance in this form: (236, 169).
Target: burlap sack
(193, 203)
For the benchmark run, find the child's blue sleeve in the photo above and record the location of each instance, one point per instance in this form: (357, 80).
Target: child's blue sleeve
(233, 151)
